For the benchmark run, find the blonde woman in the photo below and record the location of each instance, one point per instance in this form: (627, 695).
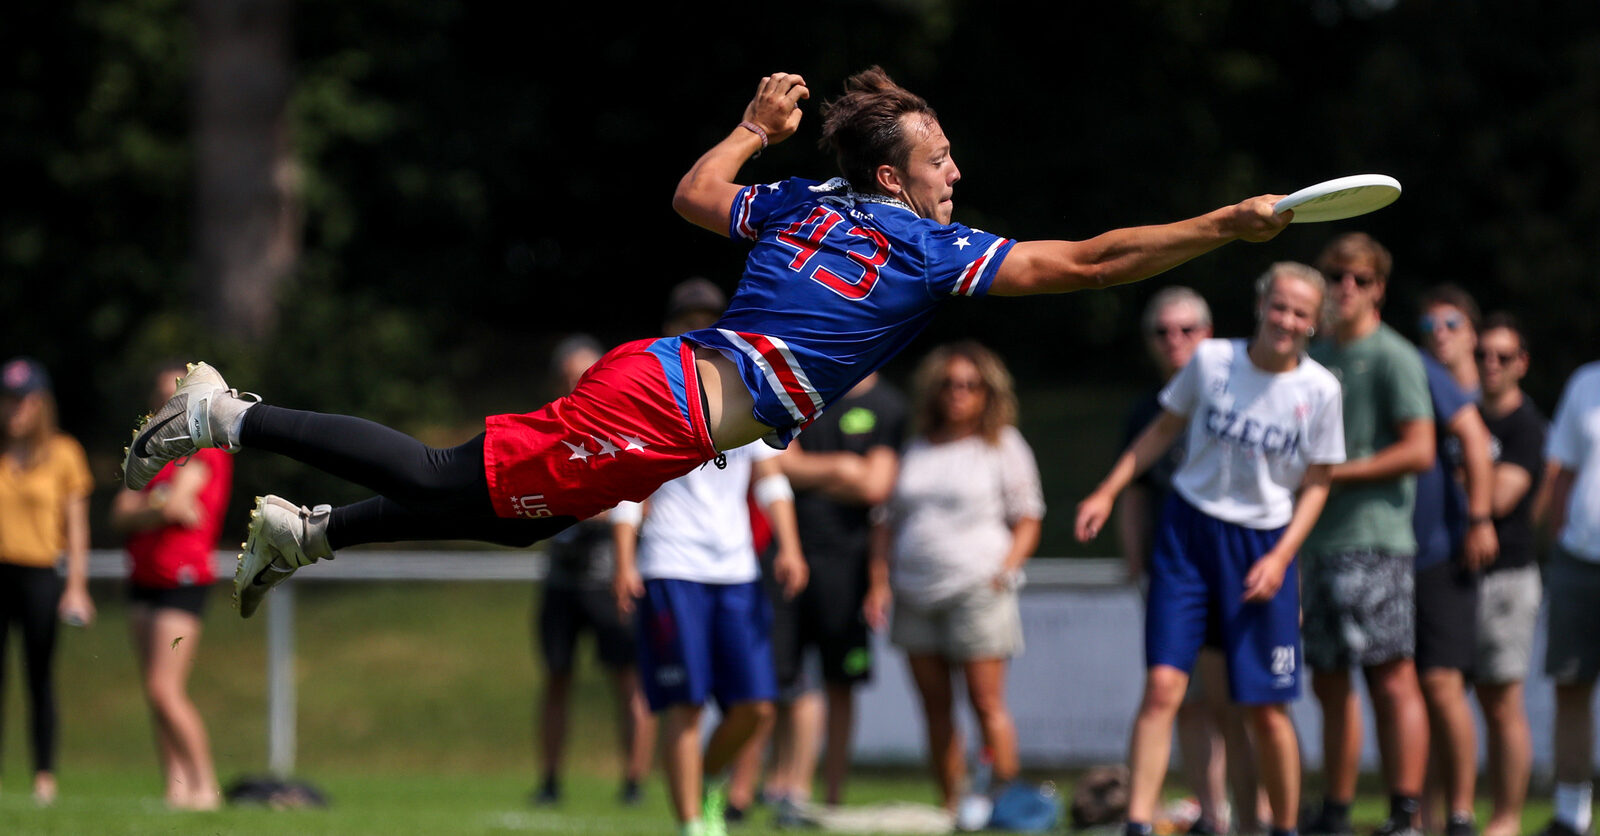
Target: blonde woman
(964, 517)
(44, 514)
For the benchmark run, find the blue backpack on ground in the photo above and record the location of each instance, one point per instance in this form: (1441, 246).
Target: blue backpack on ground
(1023, 807)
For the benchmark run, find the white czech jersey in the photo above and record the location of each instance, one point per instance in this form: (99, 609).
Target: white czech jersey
(697, 526)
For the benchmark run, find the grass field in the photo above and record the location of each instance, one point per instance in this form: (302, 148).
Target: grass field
(415, 716)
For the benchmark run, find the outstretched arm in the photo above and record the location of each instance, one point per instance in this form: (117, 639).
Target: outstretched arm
(1133, 254)
(1151, 444)
(705, 194)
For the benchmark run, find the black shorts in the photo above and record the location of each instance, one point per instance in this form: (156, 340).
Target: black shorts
(1447, 617)
(566, 612)
(190, 599)
(825, 615)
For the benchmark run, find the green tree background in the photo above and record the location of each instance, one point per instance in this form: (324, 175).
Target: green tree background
(474, 181)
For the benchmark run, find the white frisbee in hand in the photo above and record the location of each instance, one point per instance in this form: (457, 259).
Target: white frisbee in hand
(1340, 198)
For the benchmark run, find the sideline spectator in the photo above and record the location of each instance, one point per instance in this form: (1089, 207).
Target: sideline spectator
(1455, 542)
(1508, 607)
(964, 517)
(576, 597)
(1213, 741)
(44, 514)
(842, 468)
(1358, 582)
(1570, 506)
(687, 573)
(1262, 428)
(172, 526)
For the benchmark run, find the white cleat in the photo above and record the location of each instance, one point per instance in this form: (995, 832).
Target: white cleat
(183, 425)
(283, 537)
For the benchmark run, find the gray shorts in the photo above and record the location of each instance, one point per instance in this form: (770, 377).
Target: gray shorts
(1508, 614)
(982, 623)
(1572, 585)
(1359, 609)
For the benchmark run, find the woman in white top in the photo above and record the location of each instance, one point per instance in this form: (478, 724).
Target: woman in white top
(1264, 427)
(963, 518)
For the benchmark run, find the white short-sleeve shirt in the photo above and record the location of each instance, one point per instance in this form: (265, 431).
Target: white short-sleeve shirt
(1574, 443)
(1252, 433)
(698, 525)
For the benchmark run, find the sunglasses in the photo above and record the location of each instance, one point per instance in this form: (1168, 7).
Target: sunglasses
(961, 385)
(1448, 322)
(1503, 358)
(1161, 332)
(1362, 280)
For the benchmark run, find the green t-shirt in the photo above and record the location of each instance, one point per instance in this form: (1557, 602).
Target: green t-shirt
(1384, 387)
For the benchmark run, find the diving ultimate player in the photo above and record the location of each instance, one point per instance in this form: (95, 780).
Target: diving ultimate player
(841, 275)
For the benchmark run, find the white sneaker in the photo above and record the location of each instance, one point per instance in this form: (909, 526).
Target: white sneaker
(183, 425)
(283, 537)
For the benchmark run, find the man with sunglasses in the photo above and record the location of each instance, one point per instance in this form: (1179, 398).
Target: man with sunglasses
(1510, 592)
(1449, 328)
(1455, 542)
(1357, 570)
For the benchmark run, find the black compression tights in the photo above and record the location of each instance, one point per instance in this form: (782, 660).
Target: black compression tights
(425, 493)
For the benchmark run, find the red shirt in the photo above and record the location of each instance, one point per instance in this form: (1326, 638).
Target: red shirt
(173, 555)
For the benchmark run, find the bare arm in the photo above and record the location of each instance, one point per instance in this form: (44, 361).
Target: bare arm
(1550, 507)
(789, 564)
(76, 607)
(864, 479)
(626, 584)
(1024, 542)
(876, 606)
(1482, 545)
(1265, 577)
(177, 504)
(1511, 484)
(1151, 445)
(1412, 453)
(1133, 254)
(705, 194)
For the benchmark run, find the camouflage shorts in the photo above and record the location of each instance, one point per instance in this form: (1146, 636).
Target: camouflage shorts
(1359, 609)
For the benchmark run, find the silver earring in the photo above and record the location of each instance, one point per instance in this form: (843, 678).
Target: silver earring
(1312, 331)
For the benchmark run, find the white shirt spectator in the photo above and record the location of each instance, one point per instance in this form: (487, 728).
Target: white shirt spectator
(1574, 442)
(698, 525)
(952, 512)
(1252, 433)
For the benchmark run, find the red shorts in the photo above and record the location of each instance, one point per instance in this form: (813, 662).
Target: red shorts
(634, 421)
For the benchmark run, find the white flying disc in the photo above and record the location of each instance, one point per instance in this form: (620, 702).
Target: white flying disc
(1340, 198)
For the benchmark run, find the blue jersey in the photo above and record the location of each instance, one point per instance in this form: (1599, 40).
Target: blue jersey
(835, 285)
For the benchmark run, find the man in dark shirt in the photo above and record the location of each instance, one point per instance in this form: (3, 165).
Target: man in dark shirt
(1511, 592)
(841, 469)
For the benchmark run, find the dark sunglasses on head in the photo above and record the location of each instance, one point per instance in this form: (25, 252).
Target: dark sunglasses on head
(1162, 331)
(1503, 359)
(1450, 322)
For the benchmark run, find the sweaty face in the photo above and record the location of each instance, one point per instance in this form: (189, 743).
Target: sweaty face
(1290, 311)
(928, 180)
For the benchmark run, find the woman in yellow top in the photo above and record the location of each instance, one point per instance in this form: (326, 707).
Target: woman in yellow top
(44, 513)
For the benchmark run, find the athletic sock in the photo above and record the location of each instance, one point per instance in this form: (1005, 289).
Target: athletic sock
(1574, 805)
(1335, 815)
(1404, 808)
(695, 827)
(1134, 828)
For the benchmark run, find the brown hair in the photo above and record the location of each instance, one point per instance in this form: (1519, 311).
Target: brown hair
(1510, 322)
(1353, 245)
(863, 128)
(1455, 297)
(1000, 404)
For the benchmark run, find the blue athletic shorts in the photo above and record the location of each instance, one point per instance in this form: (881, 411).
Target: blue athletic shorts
(1196, 598)
(699, 640)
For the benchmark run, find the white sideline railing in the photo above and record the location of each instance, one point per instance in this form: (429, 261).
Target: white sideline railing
(492, 565)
